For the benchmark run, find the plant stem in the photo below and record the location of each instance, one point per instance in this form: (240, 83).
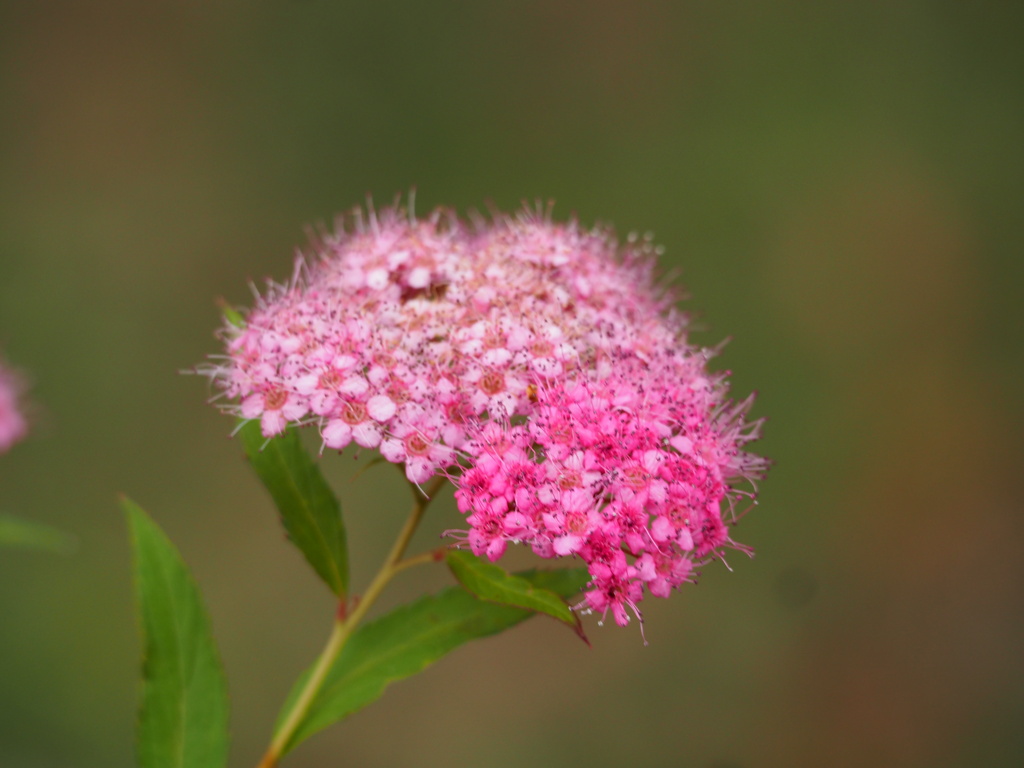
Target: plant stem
(433, 556)
(344, 625)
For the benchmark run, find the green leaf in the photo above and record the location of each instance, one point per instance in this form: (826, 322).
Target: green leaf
(409, 639)
(232, 315)
(27, 535)
(183, 721)
(309, 510)
(494, 584)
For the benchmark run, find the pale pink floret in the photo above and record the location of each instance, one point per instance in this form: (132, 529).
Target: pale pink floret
(534, 363)
(415, 443)
(13, 425)
(275, 408)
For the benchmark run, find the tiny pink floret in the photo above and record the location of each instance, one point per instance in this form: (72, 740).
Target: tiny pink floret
(13, 424)
(534, 363)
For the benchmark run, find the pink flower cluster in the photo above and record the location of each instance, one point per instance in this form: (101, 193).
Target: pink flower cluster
(532, 362)
(13, 426)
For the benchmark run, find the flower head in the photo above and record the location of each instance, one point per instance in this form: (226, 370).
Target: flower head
(13, 425)
(534, 363)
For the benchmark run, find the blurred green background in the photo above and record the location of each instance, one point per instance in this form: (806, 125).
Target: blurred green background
(841, 186)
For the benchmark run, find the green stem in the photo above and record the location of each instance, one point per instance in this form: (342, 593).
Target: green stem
(344, 626)
(433, 556)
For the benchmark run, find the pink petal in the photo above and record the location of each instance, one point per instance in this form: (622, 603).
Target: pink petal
(381, 407)
(354, 386)
(682, 444)
(496, 549)
(418, 470)
(337, 434)
(685, 539)
(252, 406)
(393, 450)
(367, 434)
(295, 408)
(377, 279)
(567, 544)
(662, 529)
(272, 423)
(419, 278)
(307, 385)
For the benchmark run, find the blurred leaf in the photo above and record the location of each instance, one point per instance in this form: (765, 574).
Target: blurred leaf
(494, 584)
(183, 722)
(28, 535)
(309, 510)
(408, 640)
